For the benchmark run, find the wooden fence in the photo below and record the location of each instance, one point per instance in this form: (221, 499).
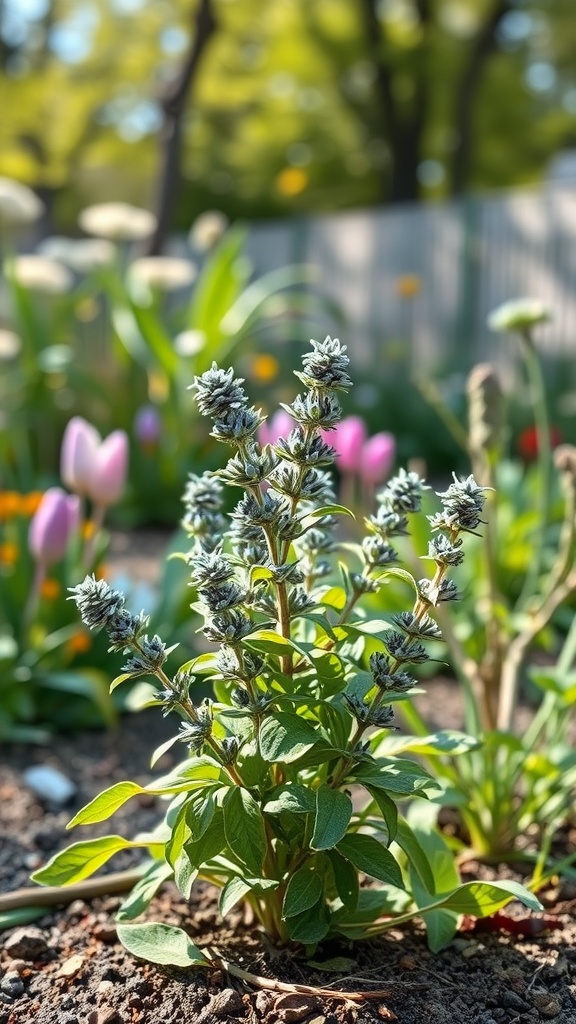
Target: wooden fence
(458, 260)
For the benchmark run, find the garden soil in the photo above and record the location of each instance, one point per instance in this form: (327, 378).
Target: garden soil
(69, 968)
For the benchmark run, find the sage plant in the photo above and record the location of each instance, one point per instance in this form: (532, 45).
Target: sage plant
(304, 687)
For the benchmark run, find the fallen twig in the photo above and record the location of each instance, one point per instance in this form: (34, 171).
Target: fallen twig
(55, 895)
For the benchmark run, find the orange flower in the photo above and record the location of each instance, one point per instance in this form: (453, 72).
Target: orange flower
(8, 553)
(265, 367)
(79, 643)
(408, 286)
(101, 571)
(30, 502)
(10, 504)
(50, 589)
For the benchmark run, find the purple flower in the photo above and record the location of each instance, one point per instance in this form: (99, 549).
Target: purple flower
(77, 454)
(377, 458)
(53, 523)
(348, 440)
(147, 426)
(281, 424)
(109, 470)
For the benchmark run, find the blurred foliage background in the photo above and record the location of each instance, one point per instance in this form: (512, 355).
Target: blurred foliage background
(266, 109)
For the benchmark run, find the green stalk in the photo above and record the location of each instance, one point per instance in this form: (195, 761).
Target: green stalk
(544, 462)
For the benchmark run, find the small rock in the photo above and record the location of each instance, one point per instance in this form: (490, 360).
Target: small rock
(27, 943)
(19, 965)
(472, 949)
(295, 1007)
(49, 784)
(105, 932)
(226, 1003)
(70, 967)
(48, 839)
(513, 1002)
(262, 1002)
(12, 984)
(105, 988)
(548, 1006)
(31, 861)
(77, 908)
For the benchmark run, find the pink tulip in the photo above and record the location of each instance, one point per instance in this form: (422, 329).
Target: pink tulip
(53, 523)
(280, 425)
(79, 446)
(147, 426)
(109, 470)
(348, 440)
(377, 458)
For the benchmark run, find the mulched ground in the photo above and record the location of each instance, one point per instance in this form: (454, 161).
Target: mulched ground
(69, 968)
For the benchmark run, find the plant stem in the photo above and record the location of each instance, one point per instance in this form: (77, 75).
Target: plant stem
(538, 388)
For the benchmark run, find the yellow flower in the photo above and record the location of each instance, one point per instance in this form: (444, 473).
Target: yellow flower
(8, 553)
(407, 286)
(50, 589)
(264, 367)
(88, 529)
(291, 181)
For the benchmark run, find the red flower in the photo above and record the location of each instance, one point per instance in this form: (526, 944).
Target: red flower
(528, 442)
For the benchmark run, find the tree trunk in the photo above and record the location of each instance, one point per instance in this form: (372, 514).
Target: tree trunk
(173, 105)
(484, 44)
(404, 128)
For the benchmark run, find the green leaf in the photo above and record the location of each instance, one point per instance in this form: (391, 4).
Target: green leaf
(210, 844)
(259, 572)
(270, 642)
(285, 737)
(387, 901)
(333, 813)
(480, 899)
(236, 888)
(244, 828)
(371, 857)
(345, 879)
(291, 797)
(303, 891)
(82, 859)
(401, 574)
(180, 834)
(162, 749)
(387, 808)
(311, 926)
(160, 944)
(401, 777)
(446, 741)
(185, 874)
(105, 804)
(144, 890)
(234, 891)
(338, 964)
(408, 841)
(327, 510)
(199, 814)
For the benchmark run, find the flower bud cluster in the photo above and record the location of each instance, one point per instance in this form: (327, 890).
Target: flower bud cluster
(203, 518)
(401, 496)
(462, 506)
(195, 733)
